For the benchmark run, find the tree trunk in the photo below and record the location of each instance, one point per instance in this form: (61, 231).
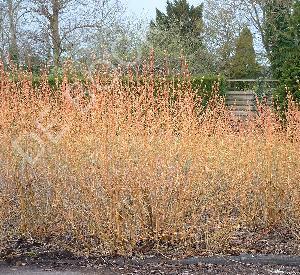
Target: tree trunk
(13, 45)
(55, 34)
(1, 34)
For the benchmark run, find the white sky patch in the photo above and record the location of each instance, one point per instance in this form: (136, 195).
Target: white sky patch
(148, 7)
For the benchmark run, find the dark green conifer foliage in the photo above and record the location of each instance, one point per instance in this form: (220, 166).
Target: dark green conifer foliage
(283, 33)
(244, 64)
(188, 19)
(179, 31)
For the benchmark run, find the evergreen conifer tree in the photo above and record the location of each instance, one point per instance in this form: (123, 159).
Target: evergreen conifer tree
(283, 33)
(179, 31)
(244, 64)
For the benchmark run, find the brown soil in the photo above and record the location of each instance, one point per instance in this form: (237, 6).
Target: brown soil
(264, 253)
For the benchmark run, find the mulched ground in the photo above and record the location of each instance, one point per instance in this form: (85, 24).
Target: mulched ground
(246, 264)
(272, 252)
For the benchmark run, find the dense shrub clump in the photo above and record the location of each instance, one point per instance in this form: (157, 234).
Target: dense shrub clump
(105, 166)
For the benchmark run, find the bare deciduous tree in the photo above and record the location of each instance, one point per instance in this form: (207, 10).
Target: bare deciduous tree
(2, 31)
(12, 14)
(68, 21)
(223, 24)
(256, 13)
(12, 11)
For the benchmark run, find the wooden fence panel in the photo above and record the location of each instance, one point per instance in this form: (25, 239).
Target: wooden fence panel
(241, 98)
(243, 103)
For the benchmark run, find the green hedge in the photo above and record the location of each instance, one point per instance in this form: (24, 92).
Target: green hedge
(204, 86)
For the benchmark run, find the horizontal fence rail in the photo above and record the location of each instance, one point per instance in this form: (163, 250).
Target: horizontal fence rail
(253, 80)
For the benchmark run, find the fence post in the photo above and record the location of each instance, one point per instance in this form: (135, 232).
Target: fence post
(260, 88)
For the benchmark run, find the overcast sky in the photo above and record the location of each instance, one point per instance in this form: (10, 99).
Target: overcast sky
(147, 7)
